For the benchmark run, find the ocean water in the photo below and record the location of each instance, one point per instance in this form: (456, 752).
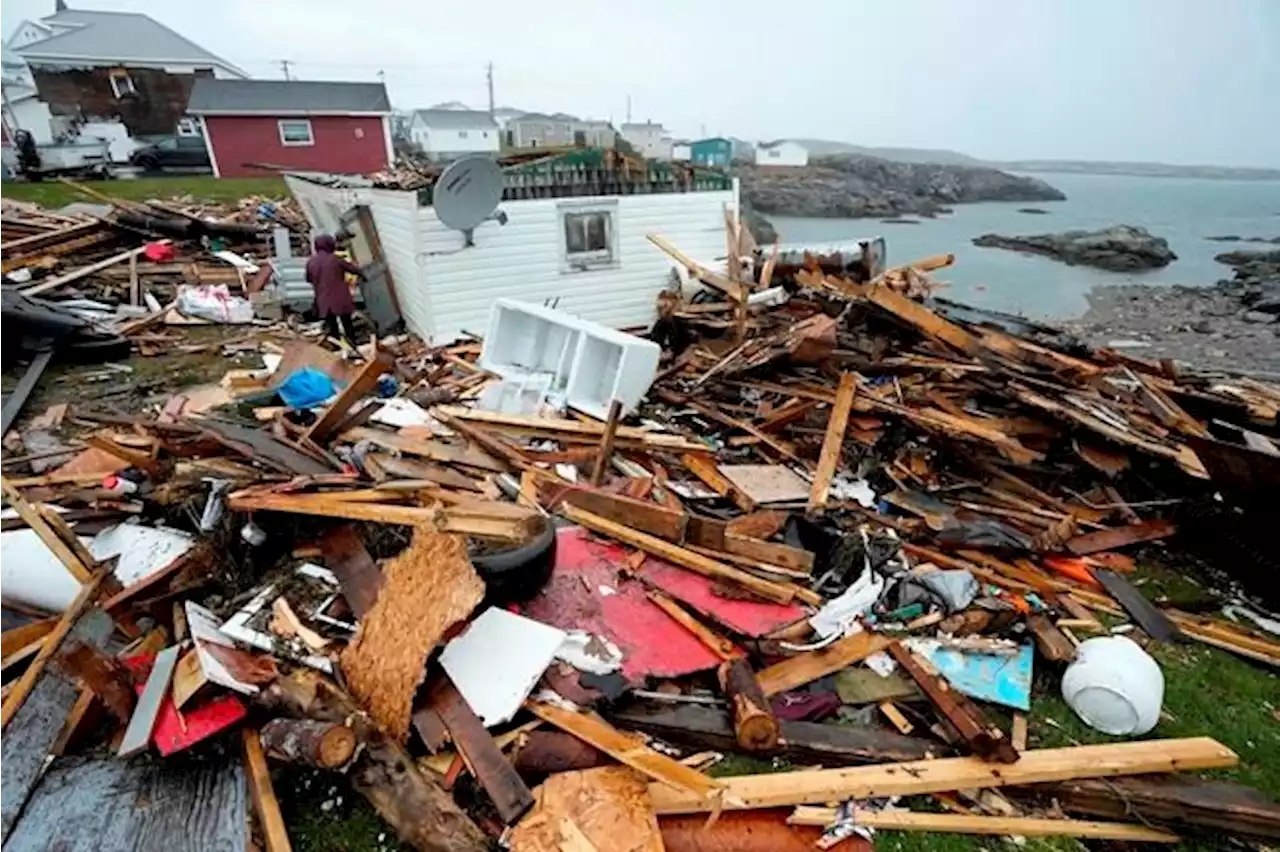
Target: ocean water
(1184, 211)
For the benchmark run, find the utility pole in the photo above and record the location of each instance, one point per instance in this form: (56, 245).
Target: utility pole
(284, 66)
(490, 75)
(628, 109)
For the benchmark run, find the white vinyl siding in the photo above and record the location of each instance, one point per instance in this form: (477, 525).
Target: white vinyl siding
(296, 132)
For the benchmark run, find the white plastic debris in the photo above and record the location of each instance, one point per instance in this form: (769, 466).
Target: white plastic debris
(589, 653)
(214, 302)
(1114, 686)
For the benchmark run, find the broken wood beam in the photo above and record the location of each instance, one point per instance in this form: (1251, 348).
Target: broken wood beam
(325, 745)
(606, 443)
(357, 389)
(833, 442)
(581, 431)
(77, 274)
(265, 804)
(808, 666)
(816, 786)
(1011, 826)
(717, 644)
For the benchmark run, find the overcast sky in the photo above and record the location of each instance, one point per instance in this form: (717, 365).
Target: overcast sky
(1179, 81)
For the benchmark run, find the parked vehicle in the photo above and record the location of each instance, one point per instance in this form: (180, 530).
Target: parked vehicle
(175, 153)
(31, 161)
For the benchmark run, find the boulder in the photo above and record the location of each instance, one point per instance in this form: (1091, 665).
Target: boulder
(1120, 248)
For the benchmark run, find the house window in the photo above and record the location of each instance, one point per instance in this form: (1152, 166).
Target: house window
(122, 84)
(188, 127)
(462, 134)
(590, 236)
(775, 153)
(296, 131)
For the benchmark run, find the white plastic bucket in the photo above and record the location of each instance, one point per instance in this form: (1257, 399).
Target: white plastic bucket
(1114, 686)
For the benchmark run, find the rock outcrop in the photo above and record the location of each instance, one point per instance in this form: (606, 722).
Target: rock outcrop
(1120, 248)
(853, 186)
(1256, 280)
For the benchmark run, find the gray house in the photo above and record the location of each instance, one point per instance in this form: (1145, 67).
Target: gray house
(539, 130)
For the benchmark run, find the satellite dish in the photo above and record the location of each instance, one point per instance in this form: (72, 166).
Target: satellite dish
(468, 192)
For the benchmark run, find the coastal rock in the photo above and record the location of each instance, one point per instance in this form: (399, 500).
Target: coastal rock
(762, 230)
(854, 186)
(1255, 279)
(1236, 238)
(1120, 248)
(1248, 258)
(1036, 211)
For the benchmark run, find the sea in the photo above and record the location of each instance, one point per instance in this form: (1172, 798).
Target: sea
(1182, 210)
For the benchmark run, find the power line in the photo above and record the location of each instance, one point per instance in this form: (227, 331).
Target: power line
(284, 66)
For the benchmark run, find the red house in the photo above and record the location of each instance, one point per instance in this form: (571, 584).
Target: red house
(256, 127)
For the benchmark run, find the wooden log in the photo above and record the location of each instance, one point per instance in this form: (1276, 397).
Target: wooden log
(422, 814)
(754, 725)
(833, 442)
(265, 803)
(896, 820)
(326, 745)
(816, 786)
(606, 442)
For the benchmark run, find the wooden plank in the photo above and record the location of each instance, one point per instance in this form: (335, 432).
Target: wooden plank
(768, 551)
(357, 389)
(1051, 642)
(138, 735)
(37, 723)
(895, 820)
(704, 467)
(265, 805)
(1110, 539)
(720, 646)
(710, 277)
(101, 674)
(483, 757)
(71, 555)
(629, 749)
(811, 665)
(895, 717)
(920, 777)
(585, 431)
(491, 444)
(776, 592)
(17, 398)
(606, 442)
(833, 442)
(803, 743)
(639, 515)
(430, 448)
(1019, 731)
(1153, 622)
(915, 314)
(19, 637)
(77, 274)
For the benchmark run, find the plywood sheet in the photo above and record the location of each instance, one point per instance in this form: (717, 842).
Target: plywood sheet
(426, 588)
(767, 483)
(608, 806)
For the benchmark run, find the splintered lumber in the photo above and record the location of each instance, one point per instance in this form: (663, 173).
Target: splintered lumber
(776, 592)
(435, 449)
(817, 786)
(915, 314)
(483, 757)
(77, 274)
(704, 467)
(357, 389)
(627, 437)
(984, 738)
(718, 645)
(629, 749)
(69, 550)
(894, 820)
(640, 515)
(1052, 643)
(491, 444)
(808, 666)
(327, 745)
(606, 442)
(426, 588)
(733, 289)
(19, 637)
(422, 814)
(754, 725)
(101, 674)
(711, 728)
(595, 810)
(265, 805)
(829, 459)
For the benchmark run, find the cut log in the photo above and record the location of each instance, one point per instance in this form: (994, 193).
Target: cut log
(326, 745)
(754, 725)
(817, 786)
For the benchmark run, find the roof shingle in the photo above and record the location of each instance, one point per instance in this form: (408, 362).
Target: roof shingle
(286, 96)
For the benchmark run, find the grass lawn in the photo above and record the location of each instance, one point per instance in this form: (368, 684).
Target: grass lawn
(54, 194)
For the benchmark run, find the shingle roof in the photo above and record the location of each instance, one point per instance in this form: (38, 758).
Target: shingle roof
(286, 96)
(118, 36)
(456, 118)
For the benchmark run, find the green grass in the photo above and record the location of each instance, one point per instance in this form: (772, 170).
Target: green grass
(201, 187)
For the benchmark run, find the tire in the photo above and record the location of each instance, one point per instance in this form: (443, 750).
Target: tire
(519, 573)
(149, 165)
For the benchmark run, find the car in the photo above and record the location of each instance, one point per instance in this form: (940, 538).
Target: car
(174, 153)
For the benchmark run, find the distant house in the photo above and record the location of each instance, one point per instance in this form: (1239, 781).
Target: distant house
(95, 71)
(444, 133)
(251, 126)
(681, 150)
(716, 151)
(782, 153)
(539, 130)
(649, 139)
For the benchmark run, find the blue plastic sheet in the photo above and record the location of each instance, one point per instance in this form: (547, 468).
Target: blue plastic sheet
(999, 678)
(306, 388)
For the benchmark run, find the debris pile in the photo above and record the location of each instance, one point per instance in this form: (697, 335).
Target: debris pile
(845, 529)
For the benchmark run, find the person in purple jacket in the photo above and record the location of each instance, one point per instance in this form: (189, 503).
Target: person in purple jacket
(326, 273)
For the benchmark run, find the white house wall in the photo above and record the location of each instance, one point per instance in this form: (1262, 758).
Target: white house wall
(523, 260)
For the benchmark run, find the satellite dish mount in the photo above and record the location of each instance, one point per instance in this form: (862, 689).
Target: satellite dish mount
(467, 193)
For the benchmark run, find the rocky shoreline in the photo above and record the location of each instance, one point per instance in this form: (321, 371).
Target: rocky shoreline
(1120, 248)
(1233, 326)
(854, 186)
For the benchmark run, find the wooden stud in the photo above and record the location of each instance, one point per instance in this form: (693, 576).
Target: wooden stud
(829, 459)
(895, 820)
(895, 717)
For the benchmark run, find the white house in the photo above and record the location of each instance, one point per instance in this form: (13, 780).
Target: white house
(782, 153)
(588, 254)
(682, 151)
(446, 133)
(649, 139)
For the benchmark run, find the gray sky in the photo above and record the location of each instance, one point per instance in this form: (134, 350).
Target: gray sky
(1179, 81)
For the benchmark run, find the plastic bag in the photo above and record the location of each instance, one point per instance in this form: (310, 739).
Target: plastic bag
(214, 302)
